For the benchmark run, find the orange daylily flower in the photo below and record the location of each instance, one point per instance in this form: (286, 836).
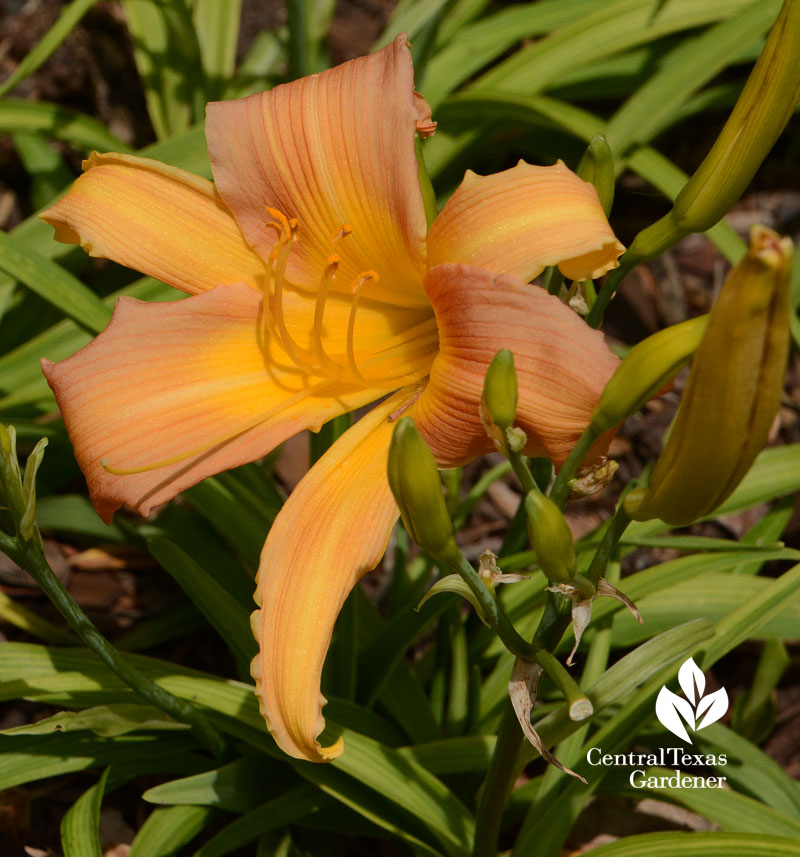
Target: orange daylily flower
(316, 289)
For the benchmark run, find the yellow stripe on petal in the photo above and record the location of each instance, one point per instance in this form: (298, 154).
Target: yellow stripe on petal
(171, 393)
(156, 219)
(521, 220)
(331, 531)
(561, 364)
(336, 152)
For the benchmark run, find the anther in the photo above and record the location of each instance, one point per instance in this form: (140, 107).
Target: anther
(343, 232)
(281, 222)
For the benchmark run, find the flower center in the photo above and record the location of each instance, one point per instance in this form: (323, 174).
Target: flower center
(356, 367)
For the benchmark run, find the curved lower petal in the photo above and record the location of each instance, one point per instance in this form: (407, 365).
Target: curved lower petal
(562, 365)
(162, 221)
(332, 150)
(187, 386)
(521, 220)
(332, 530)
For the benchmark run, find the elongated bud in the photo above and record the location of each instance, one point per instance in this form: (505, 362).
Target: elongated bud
(767, 101)
(733, 392)
(498, 406)
(597, 168)
(550, 538)
(414, 480)
(647, 368)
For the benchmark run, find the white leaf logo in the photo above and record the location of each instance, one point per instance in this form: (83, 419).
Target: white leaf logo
(690, 675)
(673, 710)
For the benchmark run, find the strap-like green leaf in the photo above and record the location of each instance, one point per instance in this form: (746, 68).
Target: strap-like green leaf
(728, 809)
(707, 844)
(80, 826)
(27, 758)
(59, 123)
(169, 828)
(295, 805)
(107, 721)
(223, 611)
(751, 771)
(713, 596)
(684, 71)
(614, 27)
(485, 40)
(238, 787)
(217, 27)
(53, 283)
(168, 58)
(48, 43)
(373, 779)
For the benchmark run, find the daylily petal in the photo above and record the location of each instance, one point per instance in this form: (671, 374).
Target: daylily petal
(519, 221)
(562, 365)
(186, 382)
(159, 220)
(332, 530)
(332, 150)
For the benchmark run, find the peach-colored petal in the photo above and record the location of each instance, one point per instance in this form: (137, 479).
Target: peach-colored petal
(332, 530)
(332, 150)
(562, 365)
(159, 220)
(523, 219)
(189, 382)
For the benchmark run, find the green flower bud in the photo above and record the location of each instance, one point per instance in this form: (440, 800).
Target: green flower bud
(647, 369)
(733, 392)
(498, 406)
(597, 168)
(550, 538)
(414, 480)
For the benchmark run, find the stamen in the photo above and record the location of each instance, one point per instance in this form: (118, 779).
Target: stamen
(316, 360)
(331, 270)
(355, 288)
(206, 447)
(279, 258)
(281, 223)
(319, 312)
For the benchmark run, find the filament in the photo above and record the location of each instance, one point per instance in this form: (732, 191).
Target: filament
(351, 322)
(319, 312)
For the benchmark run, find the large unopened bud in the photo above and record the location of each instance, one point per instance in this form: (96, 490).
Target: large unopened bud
(417, 488)
(550, 537)
(733, 392)
(647, 369)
